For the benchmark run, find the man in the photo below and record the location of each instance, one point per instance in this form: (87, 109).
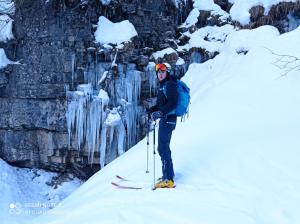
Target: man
(166, 102)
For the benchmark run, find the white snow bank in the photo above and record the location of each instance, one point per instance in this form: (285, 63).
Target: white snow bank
(237, 155)
(25, 193)
(244, 40)
(114, 33)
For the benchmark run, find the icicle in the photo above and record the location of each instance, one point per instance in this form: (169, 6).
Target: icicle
(104, 75)
(195, 57)
(101, 68)
(104, 98)
(71, 117)
(132, 94)
(151, 74)
(180, 68)
(80, 118)
(73, 57)
(94, 127)
(86, 89)
(121, 137)
(113, 64)
(112, 121)
(87, 118)
(103, 146)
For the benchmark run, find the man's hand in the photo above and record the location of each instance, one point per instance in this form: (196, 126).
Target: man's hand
(157, 114)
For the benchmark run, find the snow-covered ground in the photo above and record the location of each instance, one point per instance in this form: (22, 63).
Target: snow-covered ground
(235, 157)
(25, 194)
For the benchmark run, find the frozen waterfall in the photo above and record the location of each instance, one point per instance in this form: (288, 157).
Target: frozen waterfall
(99, 119)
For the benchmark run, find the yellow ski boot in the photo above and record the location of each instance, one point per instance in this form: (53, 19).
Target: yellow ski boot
(164, 184)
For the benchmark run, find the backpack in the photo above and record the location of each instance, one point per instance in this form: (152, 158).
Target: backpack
(183, 99)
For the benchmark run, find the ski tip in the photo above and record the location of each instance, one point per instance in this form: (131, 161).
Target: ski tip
(121, 178)
(114, 184)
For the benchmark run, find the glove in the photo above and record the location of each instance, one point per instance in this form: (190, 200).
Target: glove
(157, 114)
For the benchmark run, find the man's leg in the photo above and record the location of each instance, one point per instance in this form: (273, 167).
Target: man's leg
(164, 137)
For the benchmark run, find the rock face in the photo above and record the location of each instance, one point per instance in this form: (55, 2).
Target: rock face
(33, 130)
(281, 16)
(55, 46)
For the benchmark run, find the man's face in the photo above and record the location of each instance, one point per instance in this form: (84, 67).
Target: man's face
(161, 75)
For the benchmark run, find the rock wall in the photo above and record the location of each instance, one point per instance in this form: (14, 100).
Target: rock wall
(48, 34)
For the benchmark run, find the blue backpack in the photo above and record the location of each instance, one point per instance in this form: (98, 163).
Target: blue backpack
(183, 99)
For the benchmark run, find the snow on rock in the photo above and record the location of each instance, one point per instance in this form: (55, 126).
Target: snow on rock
(240, 9)
(210, 38)
(180, 61)
(209, 5)
(7, 7)
(114, 33)
(206, 5)
(105, 2)
(6, 28)
(162, 53)
(217, 39)
(4, 61)
(192, 19)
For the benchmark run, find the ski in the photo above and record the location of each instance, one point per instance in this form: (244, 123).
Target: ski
(121, 178)
(125, 187)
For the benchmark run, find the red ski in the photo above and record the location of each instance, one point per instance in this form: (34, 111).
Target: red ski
(125, 187)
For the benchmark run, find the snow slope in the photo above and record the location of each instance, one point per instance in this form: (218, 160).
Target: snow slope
(235, 157)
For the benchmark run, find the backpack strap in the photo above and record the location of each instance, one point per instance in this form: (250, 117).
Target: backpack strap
(164, 87)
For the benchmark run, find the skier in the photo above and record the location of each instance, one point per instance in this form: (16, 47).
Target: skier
(166, 102)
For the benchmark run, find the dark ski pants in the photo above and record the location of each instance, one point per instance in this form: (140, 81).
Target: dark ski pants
(164, 137)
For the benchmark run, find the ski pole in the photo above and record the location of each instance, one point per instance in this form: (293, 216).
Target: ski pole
(154, 155)
(147, 170)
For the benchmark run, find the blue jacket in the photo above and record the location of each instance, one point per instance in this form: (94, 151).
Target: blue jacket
(166, 104)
